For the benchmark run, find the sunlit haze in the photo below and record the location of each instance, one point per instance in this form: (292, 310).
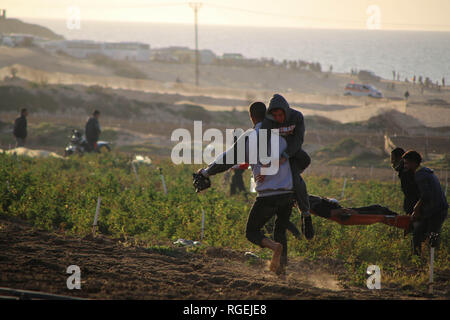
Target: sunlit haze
(431, 15)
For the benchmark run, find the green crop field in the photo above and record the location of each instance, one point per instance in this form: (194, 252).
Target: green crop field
(61, 195)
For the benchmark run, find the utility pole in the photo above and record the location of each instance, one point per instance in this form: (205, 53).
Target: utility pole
(196, 6)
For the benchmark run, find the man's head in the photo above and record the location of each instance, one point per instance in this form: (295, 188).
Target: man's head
(412, 160)
(278, 107)
(257, 111)
(396, 157)
(24, 112)
(96, 114)
(278, 115)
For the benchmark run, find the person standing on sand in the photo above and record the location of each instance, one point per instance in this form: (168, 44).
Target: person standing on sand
(20, 128)
(237, 181)
(93, 130)
(274, 192)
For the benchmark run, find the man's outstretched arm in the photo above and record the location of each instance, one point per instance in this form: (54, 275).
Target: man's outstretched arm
(226, 160)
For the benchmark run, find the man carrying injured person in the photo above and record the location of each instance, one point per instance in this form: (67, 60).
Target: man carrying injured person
(274, 191)
(291, 126)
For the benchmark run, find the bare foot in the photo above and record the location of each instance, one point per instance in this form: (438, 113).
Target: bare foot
(275, 263)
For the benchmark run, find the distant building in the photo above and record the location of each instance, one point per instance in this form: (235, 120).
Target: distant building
(2, 13)
(232, 56)
(18, 40)
(82, 49)
(182, 55)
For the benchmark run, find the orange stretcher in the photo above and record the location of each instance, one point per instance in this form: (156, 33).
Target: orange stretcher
(398, 221)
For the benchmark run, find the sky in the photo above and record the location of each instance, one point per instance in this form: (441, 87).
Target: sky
(427, 15)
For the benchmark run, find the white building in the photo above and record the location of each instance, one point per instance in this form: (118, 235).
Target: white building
(17, 40)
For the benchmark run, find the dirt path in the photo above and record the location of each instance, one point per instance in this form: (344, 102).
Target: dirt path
(36, 260)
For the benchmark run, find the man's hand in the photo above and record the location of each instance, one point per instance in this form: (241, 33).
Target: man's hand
(281, 161)
(260, 178)
(201, 181)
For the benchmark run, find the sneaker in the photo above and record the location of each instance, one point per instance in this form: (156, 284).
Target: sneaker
(307, 227)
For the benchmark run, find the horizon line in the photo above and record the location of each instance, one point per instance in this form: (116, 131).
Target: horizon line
(246, 26)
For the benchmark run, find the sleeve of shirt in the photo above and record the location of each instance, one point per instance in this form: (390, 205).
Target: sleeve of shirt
(229, 158)
(424, 188)
(295, 141)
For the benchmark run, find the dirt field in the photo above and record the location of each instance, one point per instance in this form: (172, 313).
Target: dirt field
(111, 269)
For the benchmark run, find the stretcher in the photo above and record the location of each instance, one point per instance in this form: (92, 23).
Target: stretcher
(351, 219)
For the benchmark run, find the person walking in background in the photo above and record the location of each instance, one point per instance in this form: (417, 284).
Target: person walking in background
(93, 130)
(20, 128)
(406, 95)
(237, 181)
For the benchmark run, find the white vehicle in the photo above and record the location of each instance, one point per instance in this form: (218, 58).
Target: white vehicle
(353, 89)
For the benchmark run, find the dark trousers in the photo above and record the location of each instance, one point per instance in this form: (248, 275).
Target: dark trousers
(20, 142)
(427, 225)
(301, 193)
(262, 210)
(91, 145)
(237, 184)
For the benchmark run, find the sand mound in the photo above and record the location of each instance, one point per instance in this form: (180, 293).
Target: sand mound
(21, 151)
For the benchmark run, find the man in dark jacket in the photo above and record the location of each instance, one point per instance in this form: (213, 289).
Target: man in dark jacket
(291, 125)
(407, 181)
(432, 208)
(237, 181)
(20, 128)
(93, 130)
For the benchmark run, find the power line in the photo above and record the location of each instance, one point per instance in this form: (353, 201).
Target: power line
(196, 6)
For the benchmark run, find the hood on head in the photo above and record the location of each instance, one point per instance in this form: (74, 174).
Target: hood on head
(278, 102)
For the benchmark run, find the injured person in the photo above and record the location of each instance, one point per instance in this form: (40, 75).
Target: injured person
(331, 209)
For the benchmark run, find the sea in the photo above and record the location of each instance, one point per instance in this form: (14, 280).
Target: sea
(408, 53)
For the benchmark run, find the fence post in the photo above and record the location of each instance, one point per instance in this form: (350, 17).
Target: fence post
(430, 283)
(203, 224)
(97, 211)
(371, 171)
(163, 181)
(343, 188)
(135, 171)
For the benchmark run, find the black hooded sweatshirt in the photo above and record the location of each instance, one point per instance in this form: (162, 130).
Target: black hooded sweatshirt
(293, 127)
(20, 127)
(409, 188)
(434, 202)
